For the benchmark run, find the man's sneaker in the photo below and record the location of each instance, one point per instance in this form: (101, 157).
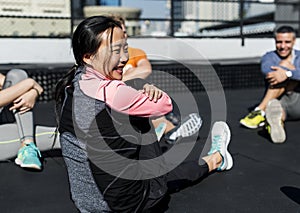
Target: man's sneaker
(220, 136)
(275, 125)
(253, 120)
(190, 125)
(28, 157)
(160, 130)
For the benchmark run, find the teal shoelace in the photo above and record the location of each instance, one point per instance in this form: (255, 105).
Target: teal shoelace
(32, 150)
(215, 146)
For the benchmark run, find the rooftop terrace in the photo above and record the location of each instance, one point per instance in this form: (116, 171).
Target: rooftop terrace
(265, 176)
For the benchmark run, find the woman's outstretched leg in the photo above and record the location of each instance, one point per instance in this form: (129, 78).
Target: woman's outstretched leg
(217, 159)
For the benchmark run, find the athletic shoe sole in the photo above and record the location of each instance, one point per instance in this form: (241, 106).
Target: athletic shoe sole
(28, 166)
(221, 128)
(252, 127)
(274, 119)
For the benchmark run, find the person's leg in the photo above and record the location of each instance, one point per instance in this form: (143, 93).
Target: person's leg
(270, 94)
(174, 128)
(24, 121)
(169, 125)
(288, 108)
(10, 141)
(46, 138)
(25, 126)
(218, 158)
(28, 154)
(12, 77)
(290, 103)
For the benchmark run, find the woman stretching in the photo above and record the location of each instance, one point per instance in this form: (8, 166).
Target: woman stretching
(114, 161)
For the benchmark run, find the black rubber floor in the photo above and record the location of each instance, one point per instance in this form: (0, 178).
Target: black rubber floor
(265, 177)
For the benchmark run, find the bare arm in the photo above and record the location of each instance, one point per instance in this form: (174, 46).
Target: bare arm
(143, 70)
(2, 78)
(279, 74)
(27, 88)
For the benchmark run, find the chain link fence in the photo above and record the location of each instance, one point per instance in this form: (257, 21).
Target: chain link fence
(35, 18)
(183, 18)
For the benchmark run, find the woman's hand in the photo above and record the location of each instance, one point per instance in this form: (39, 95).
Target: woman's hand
(152, 92)
(25, 102)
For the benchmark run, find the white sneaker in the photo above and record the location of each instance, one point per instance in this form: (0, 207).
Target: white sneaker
(274, 120)
(220, 136)
(189, 126)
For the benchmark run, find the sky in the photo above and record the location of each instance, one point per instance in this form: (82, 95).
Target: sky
(150, 8)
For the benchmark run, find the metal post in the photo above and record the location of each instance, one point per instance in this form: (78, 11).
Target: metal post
(172, 19)
(72, 18)
(242, 21)
(298, 19)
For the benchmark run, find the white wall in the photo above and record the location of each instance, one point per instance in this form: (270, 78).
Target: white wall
(35, 51)
(195, 49)
(59, 50)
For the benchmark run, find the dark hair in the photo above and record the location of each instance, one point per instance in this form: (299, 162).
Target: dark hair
(86, 40)
(285, 29)
(118, 18)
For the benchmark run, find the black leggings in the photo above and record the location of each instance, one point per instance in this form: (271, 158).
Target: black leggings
(187, 173)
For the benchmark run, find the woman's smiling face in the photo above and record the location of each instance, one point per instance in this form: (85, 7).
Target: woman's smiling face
(112, 56)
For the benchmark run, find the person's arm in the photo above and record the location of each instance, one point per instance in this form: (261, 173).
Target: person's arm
(280, 74)
(267, 61)
(128, 100)
(2, 78)
(22, 94)
(296, 74)
(296, 71)
(143, 70)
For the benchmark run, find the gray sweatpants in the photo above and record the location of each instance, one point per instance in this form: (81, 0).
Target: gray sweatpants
(290, 103)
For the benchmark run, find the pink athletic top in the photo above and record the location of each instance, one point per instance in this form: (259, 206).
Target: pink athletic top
(121, 97)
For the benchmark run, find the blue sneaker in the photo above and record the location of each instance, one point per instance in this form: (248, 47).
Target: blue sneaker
(28, 157)
(220, 140)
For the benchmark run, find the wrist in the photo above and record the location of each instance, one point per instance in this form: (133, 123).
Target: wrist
(288, 73)
(37, 92)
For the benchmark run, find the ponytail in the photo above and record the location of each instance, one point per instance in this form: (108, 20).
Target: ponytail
(59, 94)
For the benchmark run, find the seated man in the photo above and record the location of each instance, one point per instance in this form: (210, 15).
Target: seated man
(281, 68)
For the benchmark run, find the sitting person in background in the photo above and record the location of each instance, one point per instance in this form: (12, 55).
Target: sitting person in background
(170, 125)
(138, 65)
(281, 100)
(18, 96)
